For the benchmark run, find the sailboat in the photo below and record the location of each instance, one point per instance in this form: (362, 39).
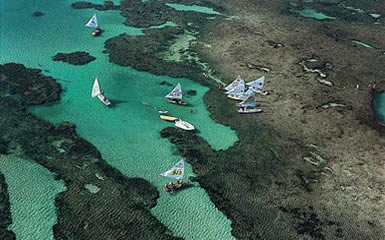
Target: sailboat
(176, 172)
(176, 96)
(237, 92)
(249, 105)
(233, 84)
(257, 85)
(96, 92)
(93, 23)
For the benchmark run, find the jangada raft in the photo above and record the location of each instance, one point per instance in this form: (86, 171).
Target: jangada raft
(249, 105)
(176, 96)
(93, 23)
(96, 92)
(176, 172)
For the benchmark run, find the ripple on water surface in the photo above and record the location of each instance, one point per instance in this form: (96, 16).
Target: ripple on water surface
(32, 191)
(126, 135)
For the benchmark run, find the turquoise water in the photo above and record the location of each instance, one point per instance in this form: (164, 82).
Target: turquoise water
(126, 135)
(379, 106)
(195, 8)
(32, 190)
(311, 13)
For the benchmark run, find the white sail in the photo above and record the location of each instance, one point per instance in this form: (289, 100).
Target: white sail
(176, 93)
(93, 22)
(250, 101)
(95, 88)
(257, 84)
(177, 171)
(233, 84)
(238, 89)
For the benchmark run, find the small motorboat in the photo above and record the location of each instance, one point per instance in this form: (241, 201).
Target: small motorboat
(184, 125)
(250, 110)
(172, 187)
(168, 118)
(162, 111)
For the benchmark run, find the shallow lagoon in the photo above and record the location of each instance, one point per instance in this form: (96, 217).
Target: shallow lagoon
(126, 135)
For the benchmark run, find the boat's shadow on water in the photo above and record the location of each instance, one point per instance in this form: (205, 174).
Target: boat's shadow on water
(116, 103)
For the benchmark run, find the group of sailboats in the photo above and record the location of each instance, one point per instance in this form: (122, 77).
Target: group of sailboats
(176, 97)
(236, 90)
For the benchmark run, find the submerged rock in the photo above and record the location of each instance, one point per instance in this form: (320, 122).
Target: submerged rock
(92, 188)
(74, 58)
(38, 14)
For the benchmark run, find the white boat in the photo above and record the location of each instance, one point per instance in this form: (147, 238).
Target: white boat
(184, 125)
(176, 95)
(93, 23)
(96, 92)
(162, 111)
(250, 101)
(249, 110)
(176, 172)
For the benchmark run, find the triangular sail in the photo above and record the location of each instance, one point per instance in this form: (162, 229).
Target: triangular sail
(250, 101)
(177, 171)
(95, 88)
(233, 84)
(257, 84)
(93, 22)
(176, 93)
(238, 89)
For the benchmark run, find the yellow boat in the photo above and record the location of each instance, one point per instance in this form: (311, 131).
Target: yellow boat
(168, 118)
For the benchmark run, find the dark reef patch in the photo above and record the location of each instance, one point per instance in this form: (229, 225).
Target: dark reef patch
(74, 58)
(142, 53)
(108, 5)
(38, 14)
(5, 212)
(120, 210)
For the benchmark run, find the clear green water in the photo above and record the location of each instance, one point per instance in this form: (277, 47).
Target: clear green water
(311, 13)
(195, 8)
(32, 190)
(128, 134)
(379, 106)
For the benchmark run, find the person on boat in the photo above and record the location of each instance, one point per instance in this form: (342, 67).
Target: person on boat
(96, 32)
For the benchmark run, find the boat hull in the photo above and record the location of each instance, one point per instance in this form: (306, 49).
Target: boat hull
(104, 100)
(233, 97)
(168, 118)
(96, 32)
(248, 111)
(184, 125)
(172, 187)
